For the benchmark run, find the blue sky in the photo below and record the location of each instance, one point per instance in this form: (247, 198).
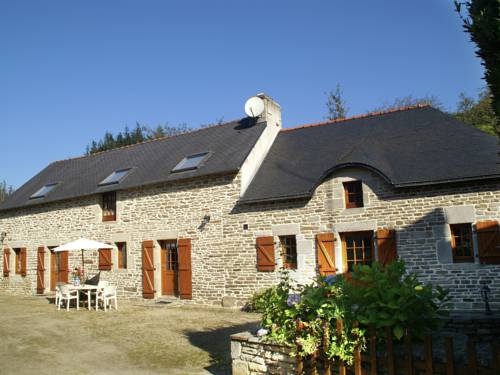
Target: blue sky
(71, 70)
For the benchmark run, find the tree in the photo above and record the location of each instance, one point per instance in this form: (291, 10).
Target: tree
(5, 190)
(478, 113)
(483, 25)
(139, 134)
(336, 104)
(408, 101)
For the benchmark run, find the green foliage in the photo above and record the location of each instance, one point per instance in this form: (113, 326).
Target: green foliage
(388, 297)
(408, 101)
(305, 317)
(478, 113)
(5, 190)
(336, 104)
(139, 134)
(483, 24)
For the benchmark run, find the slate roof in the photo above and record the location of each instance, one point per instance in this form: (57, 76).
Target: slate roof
(409, 147)
(152, 162)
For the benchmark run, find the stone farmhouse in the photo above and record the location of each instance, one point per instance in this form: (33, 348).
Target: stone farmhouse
(213, 215)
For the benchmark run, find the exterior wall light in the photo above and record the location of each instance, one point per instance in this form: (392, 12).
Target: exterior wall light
(485, 295)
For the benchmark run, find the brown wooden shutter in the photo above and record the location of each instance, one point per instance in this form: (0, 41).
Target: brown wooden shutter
(325, 251)
(386, 244)
(24, 256)
(148, 270)
(488, 241)
(40, 270)
(265, 254)
(185, 273)
(64, 271)
(105, 259)
(6, 262)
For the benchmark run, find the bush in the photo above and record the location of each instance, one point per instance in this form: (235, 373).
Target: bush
(305, 317)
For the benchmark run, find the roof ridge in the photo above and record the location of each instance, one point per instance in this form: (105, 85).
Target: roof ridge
(195, 130)
(356, 117)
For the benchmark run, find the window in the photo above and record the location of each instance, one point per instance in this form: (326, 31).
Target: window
(190, 162)
(19, 261)
(109, 206)
(115, 177)
(122, 255)
(353, 192)
(289, 251)
(170, 248)
(358, 248)
(42, 192)
(461, 243)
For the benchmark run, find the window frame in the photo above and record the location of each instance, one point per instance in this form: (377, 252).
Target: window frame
(109, 181)
(179, 166)
(44, 191)
(356, 192)
(460, 227)
(18, 260)
(284, 247)
(104, 202)
(363, 235)
(121, 252)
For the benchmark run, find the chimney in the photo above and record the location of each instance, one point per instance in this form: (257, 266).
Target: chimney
(272, 116)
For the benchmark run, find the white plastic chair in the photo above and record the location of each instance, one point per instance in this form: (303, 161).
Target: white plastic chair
(106, 295)
(66, 294)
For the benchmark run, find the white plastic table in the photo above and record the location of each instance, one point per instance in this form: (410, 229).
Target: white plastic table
(88, 289)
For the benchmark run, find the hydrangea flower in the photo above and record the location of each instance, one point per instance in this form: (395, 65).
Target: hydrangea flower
(330, 280)
(293, 299)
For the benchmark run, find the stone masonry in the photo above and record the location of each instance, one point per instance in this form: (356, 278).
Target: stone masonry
(223, 251)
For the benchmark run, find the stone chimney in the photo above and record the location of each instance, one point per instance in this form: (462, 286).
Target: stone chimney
(272, 116)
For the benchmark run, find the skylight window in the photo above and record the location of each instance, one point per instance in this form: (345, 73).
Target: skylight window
(190, 162)
(115, 177)
(42, 192)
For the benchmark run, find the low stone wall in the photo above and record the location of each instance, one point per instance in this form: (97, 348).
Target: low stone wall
(251, 356)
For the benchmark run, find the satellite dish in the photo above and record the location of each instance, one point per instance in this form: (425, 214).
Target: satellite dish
(254, 106)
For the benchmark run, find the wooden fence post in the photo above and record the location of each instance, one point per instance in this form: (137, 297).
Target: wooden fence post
(342, 369)
(450, 370)
(471, 355)
(390, 352)
(408, 353)
(373, 351)
(325, 343)
(428, 355)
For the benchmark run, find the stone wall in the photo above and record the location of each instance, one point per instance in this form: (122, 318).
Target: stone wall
(223, 251)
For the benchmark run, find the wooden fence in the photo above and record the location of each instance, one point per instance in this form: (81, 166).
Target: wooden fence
(392, 362)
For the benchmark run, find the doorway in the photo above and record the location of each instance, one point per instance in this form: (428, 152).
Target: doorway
(58, 268)
(169, 267)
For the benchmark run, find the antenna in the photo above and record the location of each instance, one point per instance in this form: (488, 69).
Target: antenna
(254, 106)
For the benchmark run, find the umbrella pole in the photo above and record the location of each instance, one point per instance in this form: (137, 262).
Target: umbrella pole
(83, 265)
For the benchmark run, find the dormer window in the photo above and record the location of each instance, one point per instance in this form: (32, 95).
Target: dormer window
(190, 162)
(353, 193)
(42, 192)
(115, 177)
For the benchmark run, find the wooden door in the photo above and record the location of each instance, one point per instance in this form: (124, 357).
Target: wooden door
(40, 270)
(169, 268)
(185, 273)
(59, 268)
(148, 270)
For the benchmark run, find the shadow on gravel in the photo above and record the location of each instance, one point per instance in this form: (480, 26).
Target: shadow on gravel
(217, 343)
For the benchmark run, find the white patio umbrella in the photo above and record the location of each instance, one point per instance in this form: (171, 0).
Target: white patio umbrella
(83, 244)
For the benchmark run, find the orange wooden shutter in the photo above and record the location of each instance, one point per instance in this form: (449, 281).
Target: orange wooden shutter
(105, 259)
(64, 271)
(40, 270)
(24, 256)
(185, 273)
(148, 270)
(265, 254)
(325, 251)
(386, 243)
(6, 262)
(488, 241)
